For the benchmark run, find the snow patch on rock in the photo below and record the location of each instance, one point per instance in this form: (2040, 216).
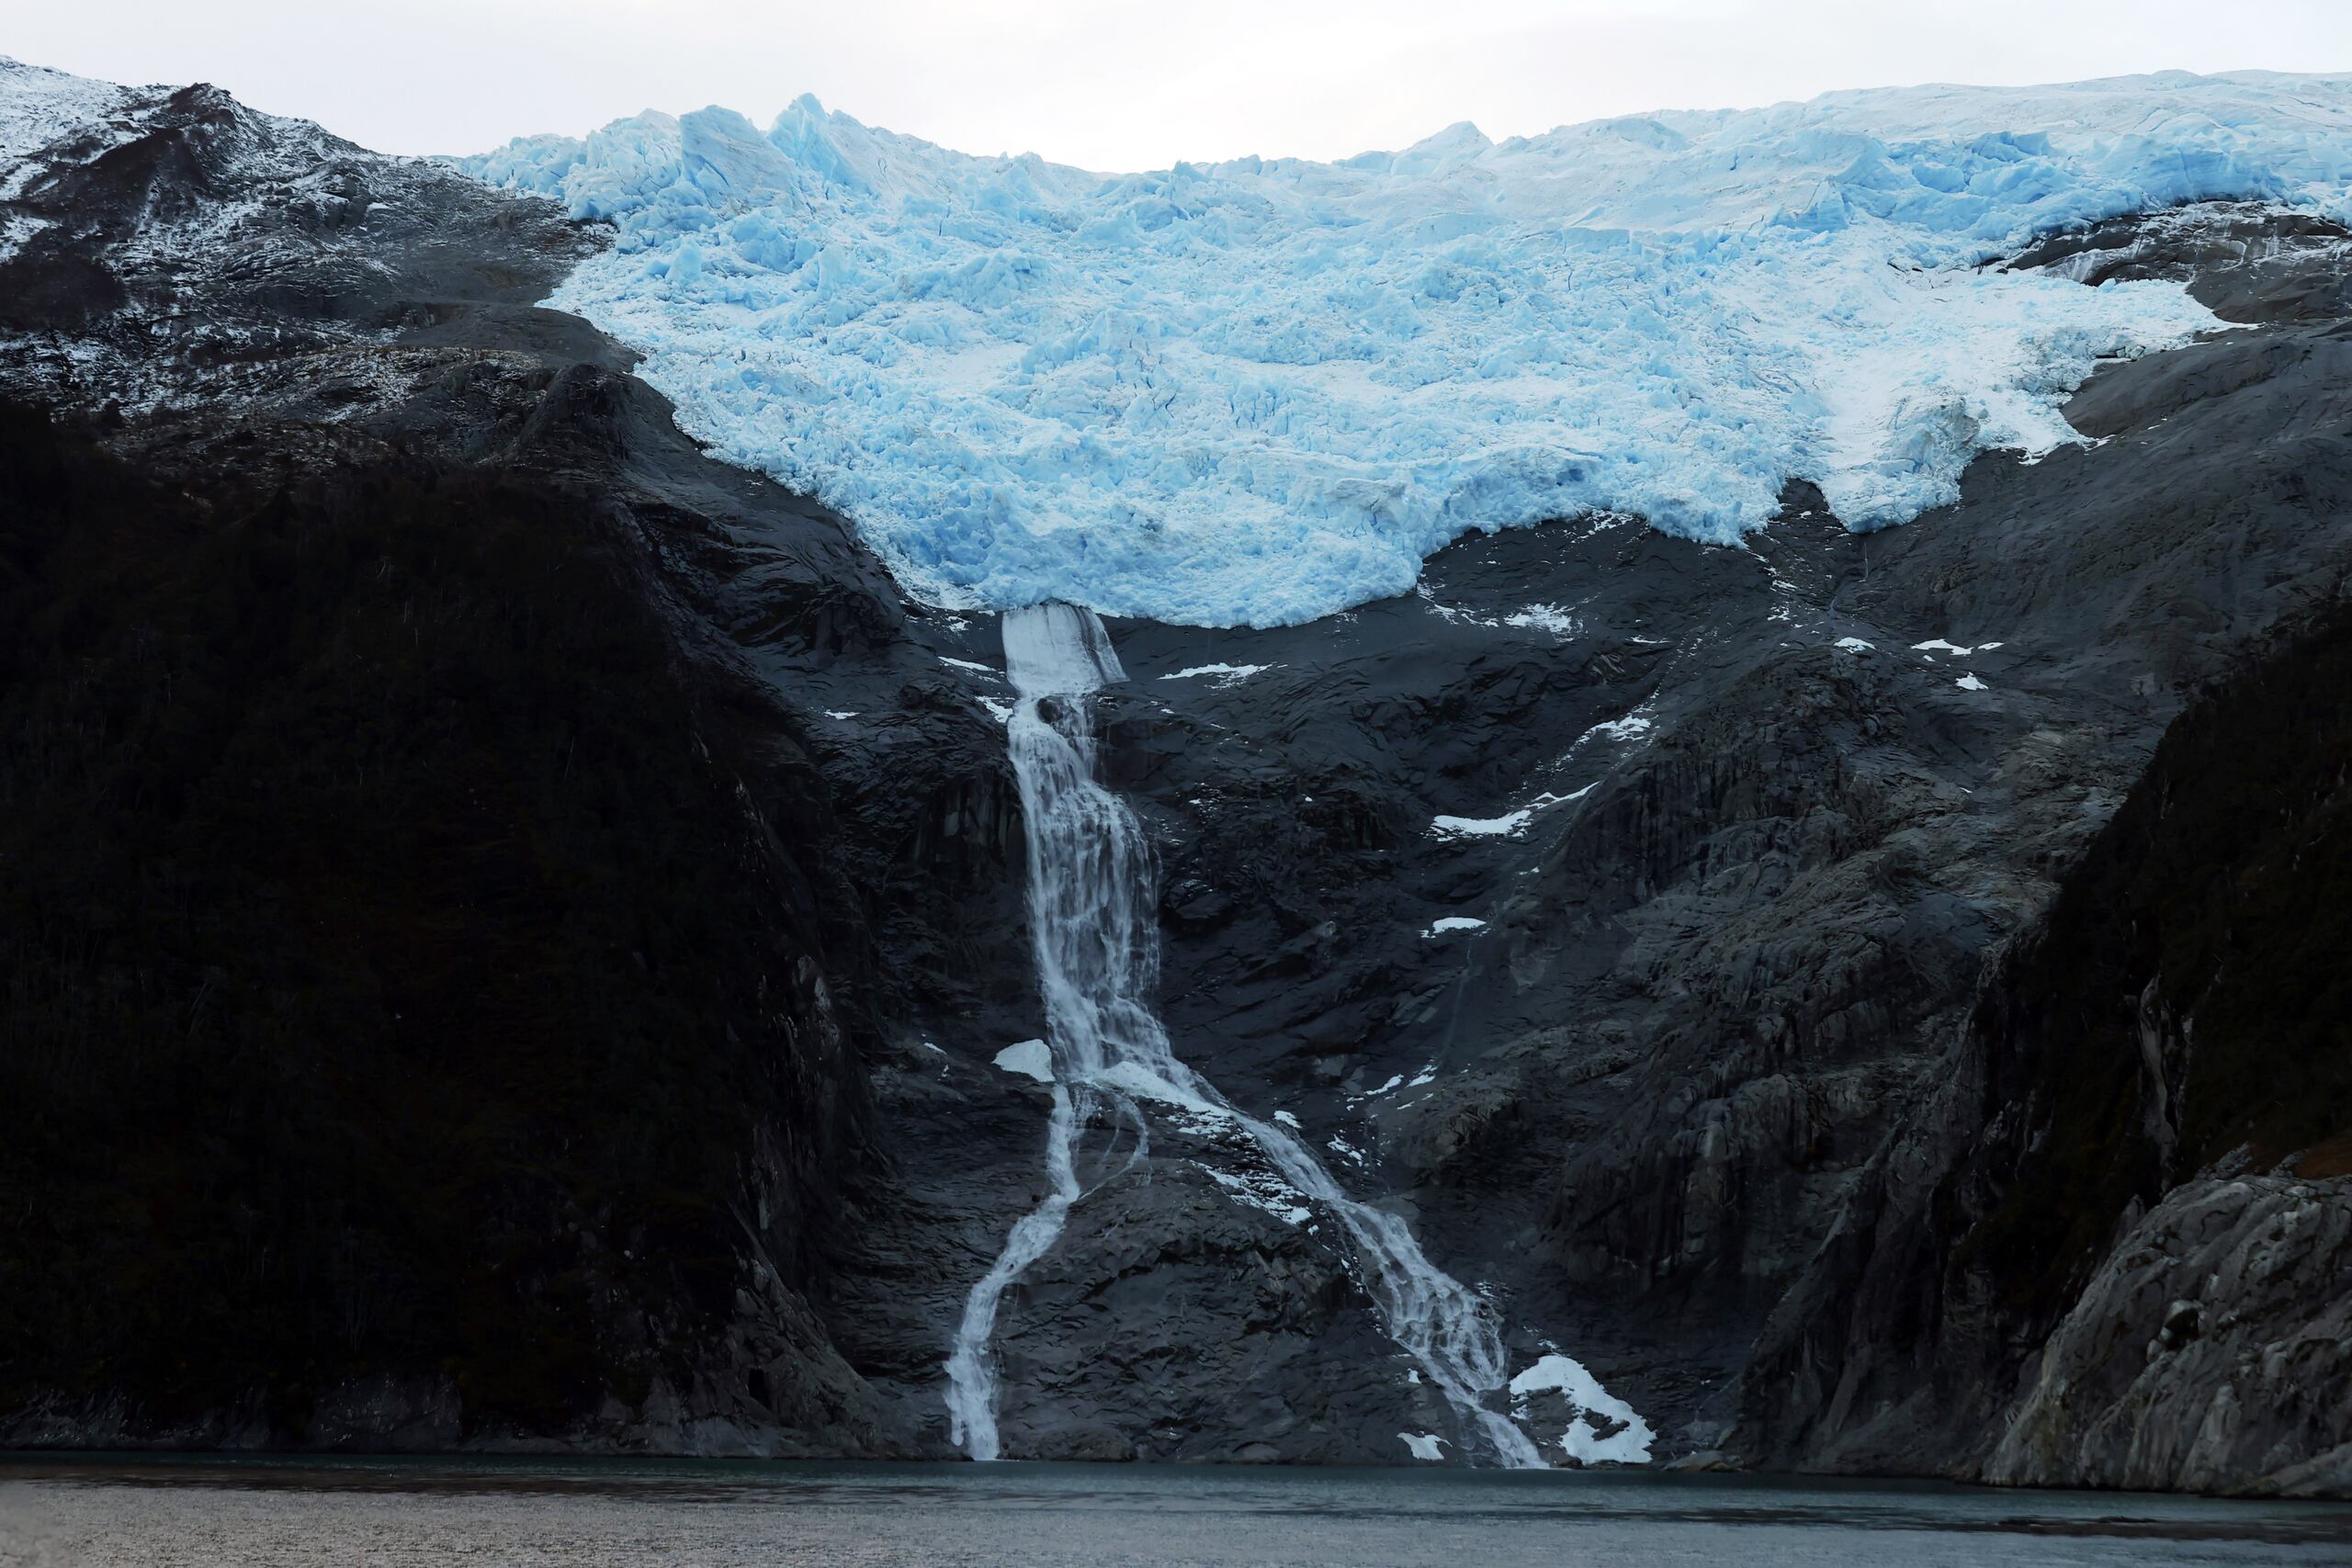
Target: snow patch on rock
(1628, 1437)
(1453, 923)
(1224, 674)
(1262, 1191)
(40, 107)
(1029, 1058)
(1509, 825)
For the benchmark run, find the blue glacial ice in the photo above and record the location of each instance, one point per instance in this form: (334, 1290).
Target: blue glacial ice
(1262, 391)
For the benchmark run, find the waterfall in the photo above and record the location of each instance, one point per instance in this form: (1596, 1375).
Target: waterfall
(1094, 923)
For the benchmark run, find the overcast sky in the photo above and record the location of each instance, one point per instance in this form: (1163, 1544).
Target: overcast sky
(1115, 86)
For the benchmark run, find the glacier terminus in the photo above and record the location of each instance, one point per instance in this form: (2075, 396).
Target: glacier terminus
(1261, 391)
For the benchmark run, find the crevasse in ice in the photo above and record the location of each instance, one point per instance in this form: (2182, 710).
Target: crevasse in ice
(1262, 390)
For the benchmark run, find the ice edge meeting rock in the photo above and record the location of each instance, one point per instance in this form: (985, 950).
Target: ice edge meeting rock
(1262, 391)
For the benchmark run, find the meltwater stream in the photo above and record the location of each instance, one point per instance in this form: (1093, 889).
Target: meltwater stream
(1092, 920)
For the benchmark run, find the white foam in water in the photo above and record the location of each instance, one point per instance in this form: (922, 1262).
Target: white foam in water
(1093, 923)
(1263, 390)
(1224, 674)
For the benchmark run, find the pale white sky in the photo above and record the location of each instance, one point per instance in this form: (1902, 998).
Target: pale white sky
(1118, 86)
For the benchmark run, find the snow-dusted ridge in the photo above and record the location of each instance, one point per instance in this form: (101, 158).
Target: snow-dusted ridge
(40, 108)
(1263, 390)
(219, 226)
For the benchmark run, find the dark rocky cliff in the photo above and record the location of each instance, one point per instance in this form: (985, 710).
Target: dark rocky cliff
(1693, 1048)
(442, 947)
(408, 998)
(2112, 1245)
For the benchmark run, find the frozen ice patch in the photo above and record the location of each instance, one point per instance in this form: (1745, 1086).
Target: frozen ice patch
(1969, 684)
(1856, 645)
(1423, 1445)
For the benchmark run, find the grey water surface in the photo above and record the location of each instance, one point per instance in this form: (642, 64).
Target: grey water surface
(147, 1512)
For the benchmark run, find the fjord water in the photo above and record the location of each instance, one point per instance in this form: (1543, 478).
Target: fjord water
(538, 1514)
(1094, 923)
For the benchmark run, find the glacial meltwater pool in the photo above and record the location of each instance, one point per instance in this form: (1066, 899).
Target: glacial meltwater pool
(141, 1512)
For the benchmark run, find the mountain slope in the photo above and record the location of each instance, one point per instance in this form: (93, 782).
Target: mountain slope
(2110, 1248)
(1615, 908)
(430, 1014)
(403, 995)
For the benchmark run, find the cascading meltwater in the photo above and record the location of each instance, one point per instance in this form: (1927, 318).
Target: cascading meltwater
(1086, 872)
(1093, 927)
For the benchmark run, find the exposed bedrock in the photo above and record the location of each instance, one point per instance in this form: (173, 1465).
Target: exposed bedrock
(445, 948)
(2241, 1385)
(1636, 917)
(2109, 1246)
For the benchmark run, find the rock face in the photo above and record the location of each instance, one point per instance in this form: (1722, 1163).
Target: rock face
(1653, 925)
(2109, 1246)
(441, 956)
(2242, 1386)
(1780, 808)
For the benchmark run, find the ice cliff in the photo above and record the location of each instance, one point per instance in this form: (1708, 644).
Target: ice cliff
(1261, 391)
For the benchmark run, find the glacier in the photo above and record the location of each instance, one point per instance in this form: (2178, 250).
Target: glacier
(1263, 390)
